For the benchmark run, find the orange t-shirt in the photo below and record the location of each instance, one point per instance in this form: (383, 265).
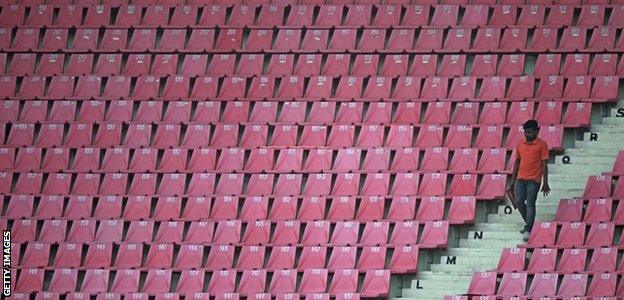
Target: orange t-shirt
(531, 156)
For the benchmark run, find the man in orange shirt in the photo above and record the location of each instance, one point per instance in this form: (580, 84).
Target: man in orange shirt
(530, 169)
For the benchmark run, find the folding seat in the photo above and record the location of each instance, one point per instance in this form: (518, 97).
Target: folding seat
(57, 184)
(444, 15)
(85, 39)
(159, 256)
(543, 260)
(62, 111)
(137, 65)
(301, 15)
(98, 16)
(34, 111)
(318, 160)
(283, 281)
(484, 65)
(292, 113)
(201, 184)
(129, 255)
(64, 280)
(21, 65)
(591, 15)
(128, 15)
(69, 15)
(549, 112)
(98, 256)
(29, 280)
(577, 64)
(88, 86)
(346, 184)
(573, 285)
(270, 15)
(358, 15)
(603, 64)
(429, 40)
(427, 64)
(342, 208)
(201, 39)
(573, 38)
(26, 39)
(184, 15)
(544, 285)
(142, 40)
(532, 15)
(223, 281)
(475, 15)
(164, 64)
(483, 283)
(28, 183)
(252, 281)
(600, 235)
(329, 15)
(514, 39)
(24, 230)
(603, 260)
(50, 135)
(54, 40)
(349, 87)
(168, 208)
(28, 159)
(225, 135)
(229, 39)
(601, 38)
(79, 207)
(435, 88)
(318, 87)
(32, 87)
(251, 257)
(114, 40)
(605, 87)
(337, 65)
(189, 256)
(400, 39)
(177, 111)
(54, 230)
(395, 65)
(372, 39)
(313, 281)
(80, 232)
(598, 186)
(13, 15)
(126, 281)
(547, 65)
(36, 255)
(287, 40)
(157, 281)
(191, 281)
(512, 284)
(505, 15)
(522, 87)
(576, 87)
(281, 65)
(250, 65)
(545, 39)
(602, 285)
(458, 39)
(463, 88)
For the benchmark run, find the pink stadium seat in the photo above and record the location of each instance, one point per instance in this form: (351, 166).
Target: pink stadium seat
(598, 210)
(342, 258)
(283, 281)
(544, 285)
(512, 284)
(314, 280)
(600, 235)
(603, 260)
(569, 210)
(512, 260)
(605, 87)
(482, 283)
(573, 285)
(543, 234)
(514, 39)
(95, 281)
(543, 260)
(602, 285)
(598, 186)
(572, 260)
(402, 208)
(30, 280)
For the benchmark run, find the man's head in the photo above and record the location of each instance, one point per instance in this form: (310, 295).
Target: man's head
(531, 129)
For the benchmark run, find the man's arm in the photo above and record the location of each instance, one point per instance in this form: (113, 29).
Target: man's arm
(514, 174)
(545, 186)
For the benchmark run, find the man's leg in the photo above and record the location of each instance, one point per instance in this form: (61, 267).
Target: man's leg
(520, 192)
(532, 189)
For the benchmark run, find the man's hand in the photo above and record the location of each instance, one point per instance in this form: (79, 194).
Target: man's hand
(545, 189)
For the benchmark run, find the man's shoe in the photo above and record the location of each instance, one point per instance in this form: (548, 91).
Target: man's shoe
(526, 235)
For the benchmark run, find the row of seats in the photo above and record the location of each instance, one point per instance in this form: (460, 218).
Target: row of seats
(176, 296)
(205, 184)
(303, 113)
(294, 232)
(344, 88)
(190, 256)
(231, 3)
(365, 208)
(594, 210)
(373, 283)
(426, 40)
(255, 160)
(573, 235)
(309, 15)
(253, 136)
(548, 284)
(418, 65)
(570, 260)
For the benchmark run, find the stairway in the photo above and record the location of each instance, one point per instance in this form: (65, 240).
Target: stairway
(478, 246)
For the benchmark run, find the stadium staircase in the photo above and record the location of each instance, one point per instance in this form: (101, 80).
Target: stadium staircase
(478, 247)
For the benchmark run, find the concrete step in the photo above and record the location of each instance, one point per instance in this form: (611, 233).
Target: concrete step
(607, 128)
(463, 265)
(610, 145)
(581, 169)
(613, 121)
(603, 136)
(499, 244)
(583, 159)
(591, 152)
(515, 218)
(482, 252)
